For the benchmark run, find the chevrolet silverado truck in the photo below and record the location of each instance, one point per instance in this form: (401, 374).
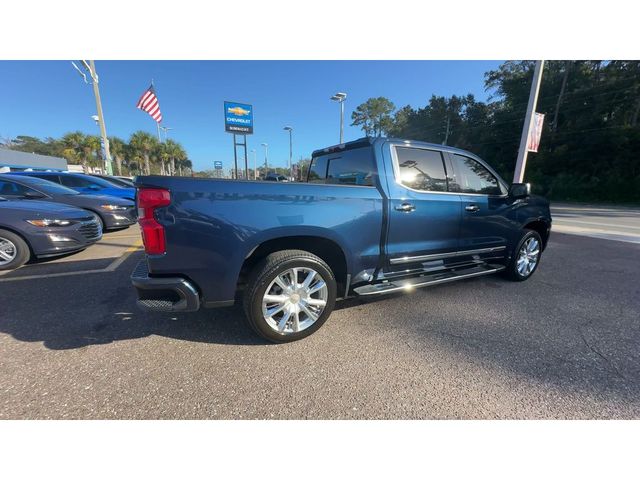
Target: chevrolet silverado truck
(375, 216)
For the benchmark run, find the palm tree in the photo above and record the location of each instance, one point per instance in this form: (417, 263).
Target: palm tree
(176, 153)
(92, 148)
(187, 165)
(163, 154)
(143, 144)
(117, 149)
(72, 146)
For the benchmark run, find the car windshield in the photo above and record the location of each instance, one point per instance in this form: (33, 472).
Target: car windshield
(46, 186)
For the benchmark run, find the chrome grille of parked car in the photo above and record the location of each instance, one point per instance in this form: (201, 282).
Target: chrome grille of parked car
(90, 229)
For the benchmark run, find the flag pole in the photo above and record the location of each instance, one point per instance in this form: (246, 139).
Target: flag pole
(157, 123)
(158, 128)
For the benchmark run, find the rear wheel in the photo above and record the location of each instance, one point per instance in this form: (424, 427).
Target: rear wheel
(290, 294)
(526, 257)
(14, 251)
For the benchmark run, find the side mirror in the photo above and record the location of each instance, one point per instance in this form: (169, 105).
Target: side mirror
(520, 190)
(33, 195)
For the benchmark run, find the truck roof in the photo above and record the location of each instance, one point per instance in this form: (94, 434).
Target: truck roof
(368, 141)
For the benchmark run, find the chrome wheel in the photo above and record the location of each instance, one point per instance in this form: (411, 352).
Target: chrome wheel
(8, 251)
(528, 257)
(294, 300)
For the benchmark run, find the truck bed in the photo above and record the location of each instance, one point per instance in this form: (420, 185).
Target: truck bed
(213, 225)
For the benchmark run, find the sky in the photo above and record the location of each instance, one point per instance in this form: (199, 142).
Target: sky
(49, 99)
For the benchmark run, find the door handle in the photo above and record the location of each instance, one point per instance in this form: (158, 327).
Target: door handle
(405, 207)
(472, 208)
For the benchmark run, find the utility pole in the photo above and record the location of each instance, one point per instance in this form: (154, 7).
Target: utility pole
(446, 135)
(518, 175)
(96, 92)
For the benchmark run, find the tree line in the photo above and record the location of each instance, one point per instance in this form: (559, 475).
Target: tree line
(590, 145)
(142, 154)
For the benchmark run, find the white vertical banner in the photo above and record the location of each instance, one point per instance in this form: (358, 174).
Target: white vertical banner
(535, 133)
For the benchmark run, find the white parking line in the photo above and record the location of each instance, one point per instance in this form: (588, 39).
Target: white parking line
(626, 211)
(610, 225)
(109, 268)
(596, 233)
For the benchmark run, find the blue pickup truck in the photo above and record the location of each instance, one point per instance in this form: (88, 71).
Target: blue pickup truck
(375, 216)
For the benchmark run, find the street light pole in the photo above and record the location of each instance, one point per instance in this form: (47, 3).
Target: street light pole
(521, 163)
(340, 97)
(166, 137)
(166, 132)
(103, 130)
(255, 166)
(342, 122)
(290, 129)
(266, 163)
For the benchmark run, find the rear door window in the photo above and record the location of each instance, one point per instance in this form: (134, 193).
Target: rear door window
(421, 169)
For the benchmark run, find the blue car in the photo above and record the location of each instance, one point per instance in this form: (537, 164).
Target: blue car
(82, 183)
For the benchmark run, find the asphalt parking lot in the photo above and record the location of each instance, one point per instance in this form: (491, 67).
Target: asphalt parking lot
(565, 344)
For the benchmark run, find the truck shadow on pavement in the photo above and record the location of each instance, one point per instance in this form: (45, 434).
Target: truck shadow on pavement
(98, 308)
(573, 334)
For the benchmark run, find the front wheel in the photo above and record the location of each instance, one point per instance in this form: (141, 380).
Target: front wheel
(290, 294)
(14, 252)
(526, 257)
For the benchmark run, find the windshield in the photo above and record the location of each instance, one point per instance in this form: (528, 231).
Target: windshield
(46, 186)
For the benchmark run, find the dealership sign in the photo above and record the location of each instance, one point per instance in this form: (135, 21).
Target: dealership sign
(238, 118)
(217, 165)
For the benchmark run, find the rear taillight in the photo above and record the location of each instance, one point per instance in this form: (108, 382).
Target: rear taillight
(152, 232)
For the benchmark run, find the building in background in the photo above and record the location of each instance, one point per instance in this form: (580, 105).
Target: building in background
(13, 160)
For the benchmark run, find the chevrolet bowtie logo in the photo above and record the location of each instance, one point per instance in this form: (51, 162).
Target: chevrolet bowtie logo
(238, 111)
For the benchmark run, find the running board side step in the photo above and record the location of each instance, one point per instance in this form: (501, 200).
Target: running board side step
(408, 284)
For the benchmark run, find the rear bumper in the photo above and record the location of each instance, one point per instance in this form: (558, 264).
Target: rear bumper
(164, 294)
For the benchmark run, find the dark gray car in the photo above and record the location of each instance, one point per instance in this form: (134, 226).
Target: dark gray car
(43, 229)
(113, 212)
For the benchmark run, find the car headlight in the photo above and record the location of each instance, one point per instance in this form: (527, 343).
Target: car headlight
(50, 222)
(113, 207)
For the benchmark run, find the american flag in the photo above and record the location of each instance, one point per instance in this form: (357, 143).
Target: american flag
(149, 103)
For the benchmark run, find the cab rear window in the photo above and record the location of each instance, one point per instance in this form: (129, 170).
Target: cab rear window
(351, 167)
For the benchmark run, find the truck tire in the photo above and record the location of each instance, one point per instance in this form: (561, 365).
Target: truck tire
(289, 295)
(14, 251)
(525, 258)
